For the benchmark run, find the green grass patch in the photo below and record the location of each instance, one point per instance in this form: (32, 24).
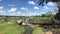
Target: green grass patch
(42, 17)
(38, 30)
(14, 28)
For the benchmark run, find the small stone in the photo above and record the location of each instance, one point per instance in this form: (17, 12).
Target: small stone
(9, 22)
(49, 32)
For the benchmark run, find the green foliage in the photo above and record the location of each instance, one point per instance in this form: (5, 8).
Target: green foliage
(43, 15)
(46, 26)
(57, 16)
(42, 1)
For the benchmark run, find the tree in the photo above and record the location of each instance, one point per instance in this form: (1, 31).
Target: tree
(42, 1)
(57, 1)
(58, 14)
(50, 13)
(43, 15)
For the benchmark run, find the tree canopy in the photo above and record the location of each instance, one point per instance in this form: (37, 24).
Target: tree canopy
(58, 14)
(42, 1)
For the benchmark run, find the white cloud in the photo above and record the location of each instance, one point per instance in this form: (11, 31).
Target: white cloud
(12, 9)
(53, 9)
(28, 10)
(12, 14)
(36, 8)
(19, 12)
(51, 4)
(1, 7)
(50, 8)
(0, 0)
(31, 2)
(24, 8)
(2, 12)
(46, 8)
(11, 5)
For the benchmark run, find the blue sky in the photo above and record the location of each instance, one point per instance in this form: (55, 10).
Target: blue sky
(25, 7)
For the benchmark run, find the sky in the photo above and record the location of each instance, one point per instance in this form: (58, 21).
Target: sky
(25, 7)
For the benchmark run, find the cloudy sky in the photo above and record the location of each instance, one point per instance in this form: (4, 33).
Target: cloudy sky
(25, 7)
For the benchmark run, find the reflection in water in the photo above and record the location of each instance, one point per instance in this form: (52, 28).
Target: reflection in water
(28, 30)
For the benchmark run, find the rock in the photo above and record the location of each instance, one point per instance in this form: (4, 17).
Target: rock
(49, 32)
(24, 24)
(20, 22)
(9, 22)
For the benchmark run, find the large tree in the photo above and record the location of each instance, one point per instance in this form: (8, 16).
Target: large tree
(58, 14)
(57, 1)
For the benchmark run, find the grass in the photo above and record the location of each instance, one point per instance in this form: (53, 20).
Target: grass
(13, 28)
(33, 26)
(38, 30)
(42, 17)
